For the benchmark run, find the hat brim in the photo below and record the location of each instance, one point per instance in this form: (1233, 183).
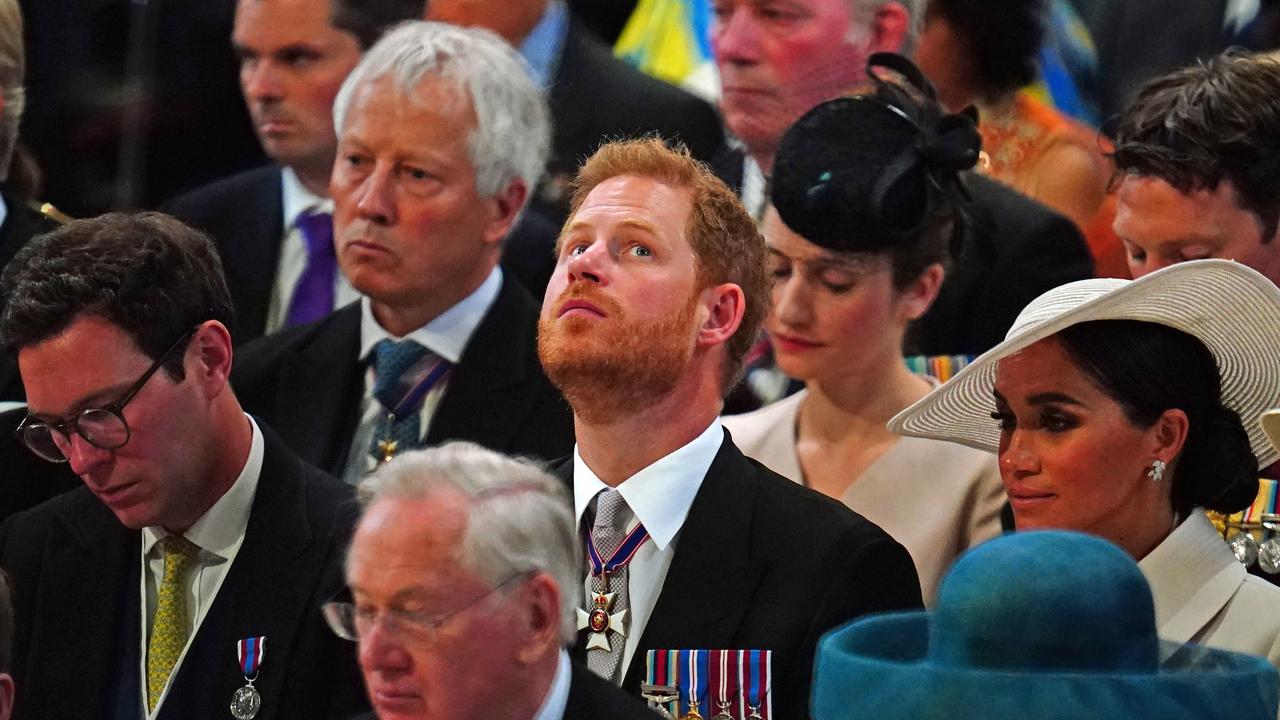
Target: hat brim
(878, 667)
(1232, 309)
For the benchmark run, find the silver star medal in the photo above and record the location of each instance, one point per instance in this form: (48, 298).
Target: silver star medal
(600, 621)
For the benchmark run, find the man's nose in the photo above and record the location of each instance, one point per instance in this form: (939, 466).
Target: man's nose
(735, 38)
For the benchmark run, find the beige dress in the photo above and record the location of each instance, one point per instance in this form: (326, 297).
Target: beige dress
(936, 498)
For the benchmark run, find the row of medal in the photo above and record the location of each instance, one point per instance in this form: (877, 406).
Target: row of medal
(709, 684)
(1254, 535)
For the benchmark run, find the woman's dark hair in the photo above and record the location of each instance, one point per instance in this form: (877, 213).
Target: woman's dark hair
(1149, 368)
(146, 273)
(878, 172)
(1002, 38)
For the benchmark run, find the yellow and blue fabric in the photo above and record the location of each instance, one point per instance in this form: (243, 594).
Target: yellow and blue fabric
(1068, 65)
(172, 620)
(1047, 624)
(668, 39)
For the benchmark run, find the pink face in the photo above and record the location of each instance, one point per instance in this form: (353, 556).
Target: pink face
(292, 62)
(833, 315)
(150, 480)
(404, 559)
(1161, 226)
(408, 220)
(779, 58)
(1069, 457)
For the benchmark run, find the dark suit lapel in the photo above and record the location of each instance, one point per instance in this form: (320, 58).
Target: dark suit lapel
(566, 100)
(487, 400)
(20, 225)
(83, 611)
(253, 251)
(259, 597)
(319, 404)
(727, 165)
(712, 579)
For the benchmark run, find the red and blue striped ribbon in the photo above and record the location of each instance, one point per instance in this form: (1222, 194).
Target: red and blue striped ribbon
(251, 651)
(621, 556)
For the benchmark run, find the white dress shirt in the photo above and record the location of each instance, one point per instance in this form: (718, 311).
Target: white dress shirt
(297, 201)
(218, 533)
(753, 188)
(557, 698)
(446, 336)
(659, 497)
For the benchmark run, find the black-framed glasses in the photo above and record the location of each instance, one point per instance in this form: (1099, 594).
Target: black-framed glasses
(350, 622)
(102, 427)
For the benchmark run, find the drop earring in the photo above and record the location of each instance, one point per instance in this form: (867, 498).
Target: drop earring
(1156, 473)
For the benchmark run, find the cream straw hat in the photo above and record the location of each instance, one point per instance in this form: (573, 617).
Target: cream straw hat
(1232, 309)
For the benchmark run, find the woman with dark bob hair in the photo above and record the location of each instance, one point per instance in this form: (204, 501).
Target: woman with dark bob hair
(1125, 409)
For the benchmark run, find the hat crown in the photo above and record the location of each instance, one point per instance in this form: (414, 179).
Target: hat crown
(1067, 601)
(1061, 299)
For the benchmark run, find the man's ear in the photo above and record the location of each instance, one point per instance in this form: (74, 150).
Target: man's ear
(539, 618)
(890, 27)
(6, 696)
(726, 305)
(505, 206)
(212, 351)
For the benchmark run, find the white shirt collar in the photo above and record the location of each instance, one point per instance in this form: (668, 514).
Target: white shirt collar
(222, 526)
(296, 199)
(4, 211)
(448, 334)
(557, 699)
(661, 494)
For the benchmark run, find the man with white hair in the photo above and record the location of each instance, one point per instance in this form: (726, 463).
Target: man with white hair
(464, 575)
(777, 61)
(441, 137)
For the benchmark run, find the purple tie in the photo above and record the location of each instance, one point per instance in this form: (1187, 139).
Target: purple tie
(313, 294)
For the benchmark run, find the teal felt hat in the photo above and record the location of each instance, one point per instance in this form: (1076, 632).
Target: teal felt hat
(1050, 625)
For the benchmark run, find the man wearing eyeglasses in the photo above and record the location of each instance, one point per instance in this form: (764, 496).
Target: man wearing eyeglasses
(198, 539)
(464, 574)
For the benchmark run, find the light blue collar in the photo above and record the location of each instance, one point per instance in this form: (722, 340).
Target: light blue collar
(541, 48)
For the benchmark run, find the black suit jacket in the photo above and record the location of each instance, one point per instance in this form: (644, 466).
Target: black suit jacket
(26, 480)
(1138, 40)
(20, 225)
(244, 214)
(595, 97)
(764, 563)
(591, 698)
(1030, 249)
(308, 381)
(76, 573)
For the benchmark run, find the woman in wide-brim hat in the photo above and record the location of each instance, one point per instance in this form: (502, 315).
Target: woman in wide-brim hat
(1049, 625)
(1124, 409)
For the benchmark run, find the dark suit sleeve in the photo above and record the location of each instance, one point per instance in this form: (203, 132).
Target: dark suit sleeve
(866, 576)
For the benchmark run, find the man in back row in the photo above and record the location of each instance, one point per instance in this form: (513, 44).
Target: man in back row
(777, 62)
(659, 291)
(196, 531)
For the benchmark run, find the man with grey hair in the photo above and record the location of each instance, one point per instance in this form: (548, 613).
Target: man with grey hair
(777, 63)
(464, 576)
(441, 137)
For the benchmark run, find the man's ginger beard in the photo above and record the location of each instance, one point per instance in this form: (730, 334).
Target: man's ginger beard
(613, 366)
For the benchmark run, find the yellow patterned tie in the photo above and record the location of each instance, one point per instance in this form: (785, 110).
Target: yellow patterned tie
(169, 629)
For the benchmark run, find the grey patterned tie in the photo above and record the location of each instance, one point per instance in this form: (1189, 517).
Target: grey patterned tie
(607, 534)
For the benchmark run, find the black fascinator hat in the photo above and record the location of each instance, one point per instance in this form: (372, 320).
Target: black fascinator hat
(870, 172)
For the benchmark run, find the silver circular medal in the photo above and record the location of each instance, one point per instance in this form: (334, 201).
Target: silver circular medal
(1245, 548)
(1269, 556)
(245, 703)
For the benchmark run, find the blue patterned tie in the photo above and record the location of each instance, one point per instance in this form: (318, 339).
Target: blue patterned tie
(404, 372)
(313, 295)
